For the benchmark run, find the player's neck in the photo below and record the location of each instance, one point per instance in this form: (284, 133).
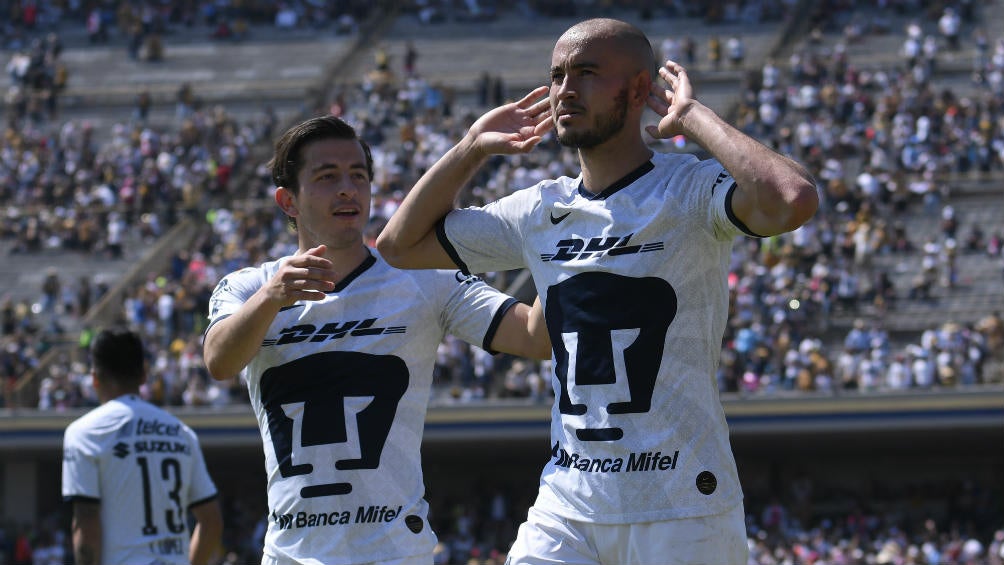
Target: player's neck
(602, 165)
(108, 393)
(347, 260)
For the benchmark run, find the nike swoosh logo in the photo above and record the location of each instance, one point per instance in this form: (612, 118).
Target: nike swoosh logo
(557, 220)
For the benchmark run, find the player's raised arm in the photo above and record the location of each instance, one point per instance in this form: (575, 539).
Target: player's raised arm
(774, 194)
(232, 342)
(409, 239)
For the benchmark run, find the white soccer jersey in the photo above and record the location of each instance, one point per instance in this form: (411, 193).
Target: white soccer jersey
(146, 469)
(340, 388)
(634, 287)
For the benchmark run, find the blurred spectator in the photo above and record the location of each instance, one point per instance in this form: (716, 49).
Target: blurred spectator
(735, 48)
(715, 52)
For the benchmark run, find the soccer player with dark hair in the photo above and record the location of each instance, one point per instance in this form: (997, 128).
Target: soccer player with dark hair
(133, 471)
(338, 350)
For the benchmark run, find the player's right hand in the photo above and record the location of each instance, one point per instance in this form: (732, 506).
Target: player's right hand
(671, 104)
(513, 128)
(306, 276)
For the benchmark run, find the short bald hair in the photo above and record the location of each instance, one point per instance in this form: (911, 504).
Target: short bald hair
(629, 38)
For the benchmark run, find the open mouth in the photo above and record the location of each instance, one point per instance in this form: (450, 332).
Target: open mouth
(347, 212)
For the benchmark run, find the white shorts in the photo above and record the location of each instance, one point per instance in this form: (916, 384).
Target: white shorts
(547, 539)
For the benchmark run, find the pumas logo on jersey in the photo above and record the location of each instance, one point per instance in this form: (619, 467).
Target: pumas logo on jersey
(331, 330)
(328, 411)
(121, 450)
(577, 249)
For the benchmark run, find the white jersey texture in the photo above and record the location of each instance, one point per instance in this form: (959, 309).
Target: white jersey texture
(340, 389)
(634, 287)
(146, 469)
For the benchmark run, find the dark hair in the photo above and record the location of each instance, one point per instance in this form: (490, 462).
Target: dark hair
(288, 158)
(117, 354)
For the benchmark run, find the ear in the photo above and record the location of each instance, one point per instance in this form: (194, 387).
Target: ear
(287, 201)
(641, 87)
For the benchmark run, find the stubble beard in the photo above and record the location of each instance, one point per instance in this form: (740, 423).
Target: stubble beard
(606, 126)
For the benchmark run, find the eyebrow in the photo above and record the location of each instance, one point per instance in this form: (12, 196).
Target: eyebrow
(326, 166)
(576, 66)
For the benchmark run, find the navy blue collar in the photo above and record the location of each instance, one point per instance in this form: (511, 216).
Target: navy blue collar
(623, 182)
(366, 264)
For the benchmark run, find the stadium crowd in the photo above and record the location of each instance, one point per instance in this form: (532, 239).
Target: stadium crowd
(853, 127)
(878, 137)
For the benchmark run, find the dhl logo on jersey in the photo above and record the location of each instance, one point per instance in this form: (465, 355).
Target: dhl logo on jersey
(332, 330)
(575, 248)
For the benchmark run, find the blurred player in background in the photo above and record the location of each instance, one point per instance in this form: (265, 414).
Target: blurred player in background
(338, 349)
(631, 261)
(133, 471)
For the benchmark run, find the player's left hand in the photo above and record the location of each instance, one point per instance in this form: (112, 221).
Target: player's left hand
(671, 103)
(513, 128)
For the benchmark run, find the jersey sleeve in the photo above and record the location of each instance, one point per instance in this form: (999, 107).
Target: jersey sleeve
(232, 292)
(81, 478)
(708, 192)
(201, 486)
(489, 238)
(472, 309)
